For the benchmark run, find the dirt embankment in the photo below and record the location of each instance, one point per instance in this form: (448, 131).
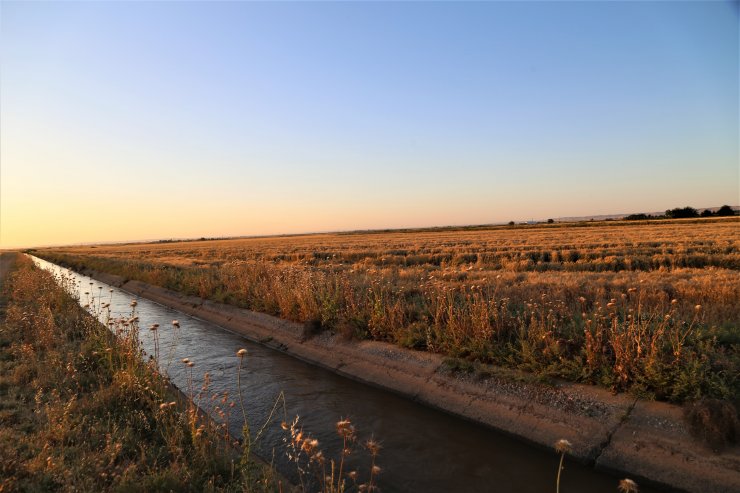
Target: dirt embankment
(647, 441)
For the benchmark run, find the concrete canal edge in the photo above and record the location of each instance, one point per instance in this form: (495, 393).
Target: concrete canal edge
(646, 441)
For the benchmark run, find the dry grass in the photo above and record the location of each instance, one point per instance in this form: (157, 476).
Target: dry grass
(82, 411)
(607, 303)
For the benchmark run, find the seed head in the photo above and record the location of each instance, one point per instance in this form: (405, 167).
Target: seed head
(309, 444)
(373, 446)
(345, 428)
(563, 446)
(175, 323)
(697, 308)
(241, 353)
(626, 485)
(185, 360)
(134, 303)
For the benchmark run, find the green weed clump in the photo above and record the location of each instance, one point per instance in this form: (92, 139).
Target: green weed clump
(81, 410)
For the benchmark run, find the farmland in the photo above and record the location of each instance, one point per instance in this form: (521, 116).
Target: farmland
(647, 307)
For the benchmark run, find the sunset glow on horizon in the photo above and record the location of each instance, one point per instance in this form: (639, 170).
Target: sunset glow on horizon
(132, 121)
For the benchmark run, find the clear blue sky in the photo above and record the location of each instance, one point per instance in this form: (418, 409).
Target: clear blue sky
(175, 119)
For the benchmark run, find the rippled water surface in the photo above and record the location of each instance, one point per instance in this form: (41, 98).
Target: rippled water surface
(424, 450)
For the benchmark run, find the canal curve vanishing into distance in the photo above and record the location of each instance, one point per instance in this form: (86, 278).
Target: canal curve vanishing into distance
(423, 450)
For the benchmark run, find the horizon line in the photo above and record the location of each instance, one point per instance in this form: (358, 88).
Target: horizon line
(518, 222)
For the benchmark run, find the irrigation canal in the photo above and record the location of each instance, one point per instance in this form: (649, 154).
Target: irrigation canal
(423, 450)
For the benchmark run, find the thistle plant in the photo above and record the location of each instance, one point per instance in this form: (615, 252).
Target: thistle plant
(173, 343)
(562, 447)
(241, 354)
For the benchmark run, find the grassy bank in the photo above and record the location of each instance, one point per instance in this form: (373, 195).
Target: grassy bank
(81, 411)
(651, 308)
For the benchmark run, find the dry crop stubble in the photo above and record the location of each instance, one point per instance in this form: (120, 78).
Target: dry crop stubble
(587, 302)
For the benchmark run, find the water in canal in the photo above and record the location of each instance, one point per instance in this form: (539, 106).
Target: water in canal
(424, 450)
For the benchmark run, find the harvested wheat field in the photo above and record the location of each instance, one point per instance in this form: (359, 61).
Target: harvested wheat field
(647, 307)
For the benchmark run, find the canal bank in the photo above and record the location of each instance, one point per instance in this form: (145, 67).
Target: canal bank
(645, 440)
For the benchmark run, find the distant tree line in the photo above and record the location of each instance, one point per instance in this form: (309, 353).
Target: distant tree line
(677, 213)
(685, 212)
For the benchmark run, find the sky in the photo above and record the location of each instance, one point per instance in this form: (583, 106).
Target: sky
(152, 120)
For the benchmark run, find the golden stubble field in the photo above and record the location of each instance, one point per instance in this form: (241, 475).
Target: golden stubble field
(648, 306)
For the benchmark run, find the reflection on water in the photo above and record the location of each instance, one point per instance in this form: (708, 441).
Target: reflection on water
(424, 450)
